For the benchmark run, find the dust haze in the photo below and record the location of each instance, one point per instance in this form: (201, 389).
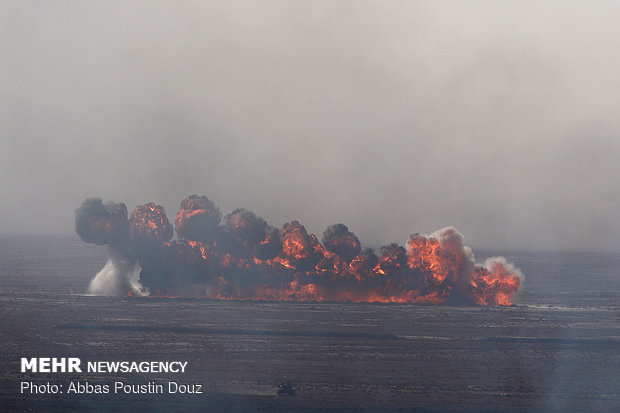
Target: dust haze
(393, 118)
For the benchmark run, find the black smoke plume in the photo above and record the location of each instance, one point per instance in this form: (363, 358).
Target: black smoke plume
(242, 257)
(338, 239)
(101, 224)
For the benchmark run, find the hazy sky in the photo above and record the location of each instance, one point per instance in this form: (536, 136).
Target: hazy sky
(500, 118)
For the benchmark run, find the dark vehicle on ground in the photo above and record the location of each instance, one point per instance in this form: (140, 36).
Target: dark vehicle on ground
(285, 389)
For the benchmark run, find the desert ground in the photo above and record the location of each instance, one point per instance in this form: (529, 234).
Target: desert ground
(556, 350)
(340, 357)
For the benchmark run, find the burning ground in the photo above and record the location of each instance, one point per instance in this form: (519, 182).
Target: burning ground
(240, 256)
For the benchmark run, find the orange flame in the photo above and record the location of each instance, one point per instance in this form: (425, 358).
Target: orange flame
(149, 222)
(246, 259)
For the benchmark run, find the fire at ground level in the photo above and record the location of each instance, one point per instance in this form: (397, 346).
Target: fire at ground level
(244, 258)
(340, 357)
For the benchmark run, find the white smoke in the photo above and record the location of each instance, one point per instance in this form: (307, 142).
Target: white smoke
(120, 275)
(462, 257)
(457, 261)
(501, 267)
(454, 251)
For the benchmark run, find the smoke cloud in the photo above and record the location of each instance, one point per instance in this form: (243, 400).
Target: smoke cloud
(242, 257)
(497, 119)
(119, 276)
(101, 224)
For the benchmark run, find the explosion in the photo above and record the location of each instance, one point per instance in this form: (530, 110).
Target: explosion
(197, 218)
(150, 223)
(243, 258)
(101, 224)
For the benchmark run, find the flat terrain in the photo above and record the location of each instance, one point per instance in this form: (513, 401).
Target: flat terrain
(340, 357)
(557, 350)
